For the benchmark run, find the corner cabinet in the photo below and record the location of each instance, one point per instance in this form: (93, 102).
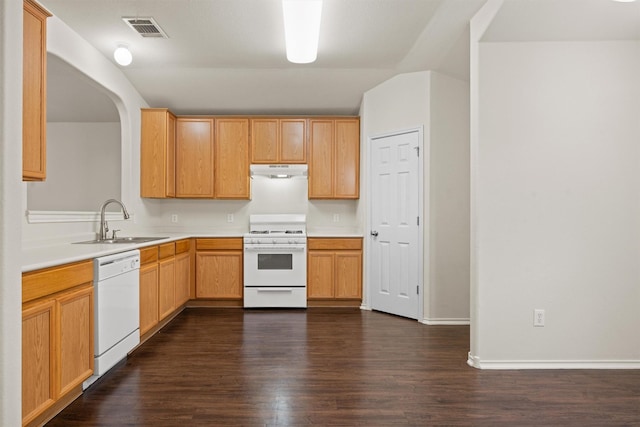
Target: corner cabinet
(334, 271)
(34, 92)
(57, 336)
(157, 153)
(334, 158)
(278, 140)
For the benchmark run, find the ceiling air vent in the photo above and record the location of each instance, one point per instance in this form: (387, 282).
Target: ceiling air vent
(146, 27)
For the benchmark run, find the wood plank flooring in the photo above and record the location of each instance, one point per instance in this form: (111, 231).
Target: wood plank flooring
(337, 367)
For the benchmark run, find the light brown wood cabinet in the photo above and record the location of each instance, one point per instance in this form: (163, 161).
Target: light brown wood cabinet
(34, 92)
(231, 173)
(157, 153)
(219, 268)
(334, 269)
(334, 158)
(194, 157)
(165, 272)
(278, 140)
(57, 335)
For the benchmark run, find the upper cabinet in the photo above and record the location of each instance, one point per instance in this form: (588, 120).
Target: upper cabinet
(194, 157)
(34, 92)
(334, 158)
(158, 153)
(278, 140)
(232, 158)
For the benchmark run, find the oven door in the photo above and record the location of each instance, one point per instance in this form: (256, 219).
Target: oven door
(275, 265)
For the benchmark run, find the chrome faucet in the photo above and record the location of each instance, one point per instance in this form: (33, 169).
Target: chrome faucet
(104, 227)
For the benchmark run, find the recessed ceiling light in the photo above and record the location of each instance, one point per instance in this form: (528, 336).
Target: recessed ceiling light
(122, 55)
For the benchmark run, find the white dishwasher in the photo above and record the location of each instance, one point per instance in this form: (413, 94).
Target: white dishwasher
(116, 281)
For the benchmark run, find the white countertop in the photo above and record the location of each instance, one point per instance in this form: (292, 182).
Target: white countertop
(36, 258)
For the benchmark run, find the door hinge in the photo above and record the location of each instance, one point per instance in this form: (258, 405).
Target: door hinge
(417, 220)
(417, 151)
(418, 289)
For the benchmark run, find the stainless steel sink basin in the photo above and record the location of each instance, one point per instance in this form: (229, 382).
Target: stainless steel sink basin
(122, 240)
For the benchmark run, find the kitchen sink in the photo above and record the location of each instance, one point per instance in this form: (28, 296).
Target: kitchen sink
(123, 240)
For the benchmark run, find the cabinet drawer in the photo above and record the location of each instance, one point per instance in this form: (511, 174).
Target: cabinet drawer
(231, 243)
(320, 243)
(183, 246)
(40, 283)
(166, 250)
(148, 255)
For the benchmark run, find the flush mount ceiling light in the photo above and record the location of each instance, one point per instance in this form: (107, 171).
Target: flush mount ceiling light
(122, 55)
(302, 29)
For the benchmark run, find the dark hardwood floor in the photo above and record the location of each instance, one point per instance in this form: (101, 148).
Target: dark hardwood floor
(328, 367)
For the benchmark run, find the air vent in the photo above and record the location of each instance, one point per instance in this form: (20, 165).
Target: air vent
(146, 27)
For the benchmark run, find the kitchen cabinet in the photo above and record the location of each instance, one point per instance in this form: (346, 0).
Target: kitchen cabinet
(148, 289)
(334, 269)
(57, 335)
(334, 158)
(278, 140)
(195, 157)
(183, 272)
(232, 158)
(166, 280)
(34, 92)
(157, 153)
(219, 268)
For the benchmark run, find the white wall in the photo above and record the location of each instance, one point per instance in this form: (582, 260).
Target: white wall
(83, 167)
(10, 176)
(440, 105)
(557, 221)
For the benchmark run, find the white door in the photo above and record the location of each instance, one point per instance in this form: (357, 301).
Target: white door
(396, 234)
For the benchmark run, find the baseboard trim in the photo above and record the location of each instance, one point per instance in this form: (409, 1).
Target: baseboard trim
(475, 362)
(455, 321)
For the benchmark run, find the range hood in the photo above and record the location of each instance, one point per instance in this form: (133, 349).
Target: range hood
(279, 171)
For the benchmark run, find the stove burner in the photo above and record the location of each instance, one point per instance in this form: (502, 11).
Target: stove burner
(259, 232)
(293, 232)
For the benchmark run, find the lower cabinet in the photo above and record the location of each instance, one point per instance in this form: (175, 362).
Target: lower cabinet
(334, 269)
(165, 272)
(219, 268)
(57, 335)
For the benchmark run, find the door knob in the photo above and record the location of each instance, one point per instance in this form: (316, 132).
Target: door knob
(374, 233)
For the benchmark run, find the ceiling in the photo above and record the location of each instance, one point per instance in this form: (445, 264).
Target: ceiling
(228, 56)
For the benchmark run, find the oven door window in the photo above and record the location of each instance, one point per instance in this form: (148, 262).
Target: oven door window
(275, 261)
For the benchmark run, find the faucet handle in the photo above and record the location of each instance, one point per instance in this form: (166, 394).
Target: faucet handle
(113, 233)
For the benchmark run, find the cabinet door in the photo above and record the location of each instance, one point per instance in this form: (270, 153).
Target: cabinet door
(166, 287)
(76, 338)
(157, 153)
(34, 72)
(347, 159)
(293, 141)
(264, 140)
(148, 297)
(320, 159)
(320, 274)
(183, 278)
(194, 158)
(219, 274)
(38, 361)
(348, 281)
(232, 159)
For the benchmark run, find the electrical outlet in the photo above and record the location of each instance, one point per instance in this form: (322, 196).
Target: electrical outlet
(336, 217)
(174, 218)
(538, 317)
(229, 217)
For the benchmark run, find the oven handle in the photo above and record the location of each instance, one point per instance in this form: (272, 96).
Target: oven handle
(275, 290)
(274, 248)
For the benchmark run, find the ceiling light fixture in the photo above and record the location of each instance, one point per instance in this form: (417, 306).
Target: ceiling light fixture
(122, 55)
(302, 29)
